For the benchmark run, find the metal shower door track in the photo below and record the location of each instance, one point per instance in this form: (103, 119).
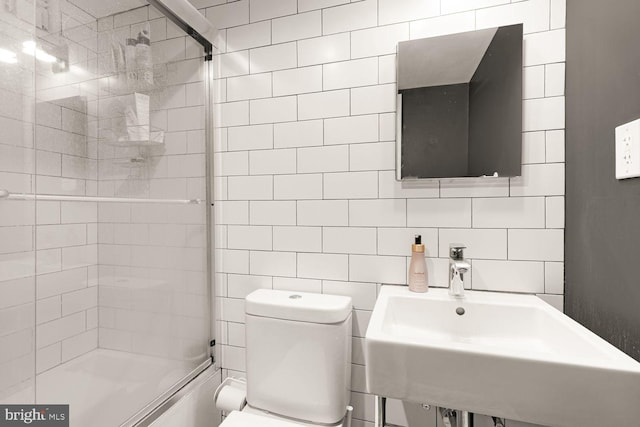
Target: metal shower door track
(184, 15)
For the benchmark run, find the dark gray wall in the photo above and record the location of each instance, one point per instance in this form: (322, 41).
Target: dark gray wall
(602, 246)
(495, 107)
(434, 131)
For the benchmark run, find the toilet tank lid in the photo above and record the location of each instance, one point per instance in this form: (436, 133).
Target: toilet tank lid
(300, 306)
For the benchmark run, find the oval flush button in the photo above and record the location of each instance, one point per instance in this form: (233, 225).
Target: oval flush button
(295, 296)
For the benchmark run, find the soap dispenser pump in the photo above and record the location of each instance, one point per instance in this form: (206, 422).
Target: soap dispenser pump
(418, 281)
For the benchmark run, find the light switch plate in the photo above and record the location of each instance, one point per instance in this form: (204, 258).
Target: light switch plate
(628, 150)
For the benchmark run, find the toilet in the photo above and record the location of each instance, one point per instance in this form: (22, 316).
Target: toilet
(298, 351)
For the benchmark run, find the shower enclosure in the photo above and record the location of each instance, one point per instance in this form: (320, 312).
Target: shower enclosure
(105, 298)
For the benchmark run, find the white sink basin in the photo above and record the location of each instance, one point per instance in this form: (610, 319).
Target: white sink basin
(508, 355)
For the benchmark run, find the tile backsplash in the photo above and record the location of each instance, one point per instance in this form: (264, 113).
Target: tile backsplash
(305, 152)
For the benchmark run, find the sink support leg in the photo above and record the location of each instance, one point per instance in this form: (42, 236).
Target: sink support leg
(456, 418)
(380, 417)
(465, 419)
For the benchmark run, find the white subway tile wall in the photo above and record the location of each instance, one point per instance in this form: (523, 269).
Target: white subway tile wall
(327, 210)
(66, 232)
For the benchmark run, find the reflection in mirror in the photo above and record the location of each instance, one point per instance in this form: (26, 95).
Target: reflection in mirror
(460, 105)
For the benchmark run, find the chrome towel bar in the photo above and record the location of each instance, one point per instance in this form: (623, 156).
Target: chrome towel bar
(7, 195)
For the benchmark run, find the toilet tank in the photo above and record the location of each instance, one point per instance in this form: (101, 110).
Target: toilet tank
(298, 349)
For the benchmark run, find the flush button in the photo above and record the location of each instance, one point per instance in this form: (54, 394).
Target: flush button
(459, 311)
(295, 296)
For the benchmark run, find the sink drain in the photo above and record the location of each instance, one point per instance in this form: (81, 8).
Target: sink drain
(459, 311)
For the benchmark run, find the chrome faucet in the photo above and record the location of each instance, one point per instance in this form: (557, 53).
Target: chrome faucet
(458, 267)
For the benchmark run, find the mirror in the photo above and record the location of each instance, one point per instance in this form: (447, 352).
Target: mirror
(460, 105)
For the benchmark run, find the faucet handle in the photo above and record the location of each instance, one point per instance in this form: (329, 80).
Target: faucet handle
(456, 251)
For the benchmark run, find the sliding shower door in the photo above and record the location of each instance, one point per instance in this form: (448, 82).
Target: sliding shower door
(104, 290)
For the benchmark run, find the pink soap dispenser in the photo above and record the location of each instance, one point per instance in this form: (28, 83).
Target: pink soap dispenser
(418, 280)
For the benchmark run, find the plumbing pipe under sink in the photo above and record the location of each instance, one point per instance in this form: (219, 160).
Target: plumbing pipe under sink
(453, 418)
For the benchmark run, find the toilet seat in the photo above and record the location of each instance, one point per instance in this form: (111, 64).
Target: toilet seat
(246, 418)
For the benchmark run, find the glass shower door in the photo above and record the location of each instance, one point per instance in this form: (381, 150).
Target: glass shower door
(104, 291)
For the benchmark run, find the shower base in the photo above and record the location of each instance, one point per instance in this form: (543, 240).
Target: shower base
(104, 388)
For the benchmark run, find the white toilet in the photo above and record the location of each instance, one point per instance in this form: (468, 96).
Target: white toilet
(298, 349)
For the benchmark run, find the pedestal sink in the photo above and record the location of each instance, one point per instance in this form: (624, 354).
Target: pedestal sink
(506, 355)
